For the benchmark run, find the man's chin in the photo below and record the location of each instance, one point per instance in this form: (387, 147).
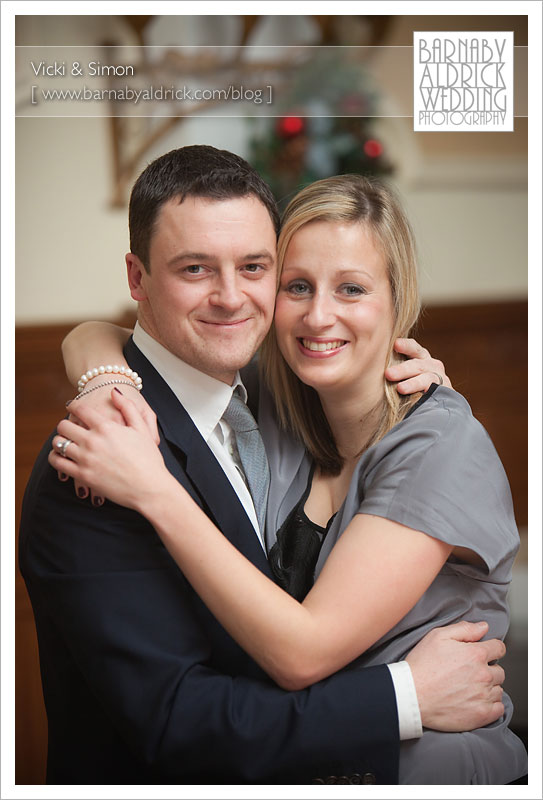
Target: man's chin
(224, 365)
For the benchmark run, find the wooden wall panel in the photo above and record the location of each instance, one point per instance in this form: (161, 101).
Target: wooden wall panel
(485, 350)
(483, 346)
(41, 389)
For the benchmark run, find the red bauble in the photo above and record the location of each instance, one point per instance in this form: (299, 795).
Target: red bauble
(373, 148)
(290, 126)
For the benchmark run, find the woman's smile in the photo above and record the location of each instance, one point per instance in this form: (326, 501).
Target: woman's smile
(321, 348)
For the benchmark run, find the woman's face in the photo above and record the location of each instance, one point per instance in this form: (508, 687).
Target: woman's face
(334, 310)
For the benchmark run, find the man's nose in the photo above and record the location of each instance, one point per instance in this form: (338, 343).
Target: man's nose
(227, 293)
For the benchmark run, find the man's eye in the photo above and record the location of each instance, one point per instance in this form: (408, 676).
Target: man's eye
(253, 268)
(194, 269)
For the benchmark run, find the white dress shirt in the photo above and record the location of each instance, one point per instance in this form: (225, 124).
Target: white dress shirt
(205, 399)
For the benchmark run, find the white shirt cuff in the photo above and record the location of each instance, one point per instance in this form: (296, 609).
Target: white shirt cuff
(409, 721)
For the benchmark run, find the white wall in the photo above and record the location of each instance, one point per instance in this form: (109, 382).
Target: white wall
(473, 245)
(69, 243)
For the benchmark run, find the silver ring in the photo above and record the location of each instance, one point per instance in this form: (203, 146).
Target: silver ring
(439, 377)
(63, 447)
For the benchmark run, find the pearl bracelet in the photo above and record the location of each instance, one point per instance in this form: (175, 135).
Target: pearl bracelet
(99, 386)
(109, 369)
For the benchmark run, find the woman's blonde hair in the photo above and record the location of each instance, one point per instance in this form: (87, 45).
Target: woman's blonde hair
(346, 199)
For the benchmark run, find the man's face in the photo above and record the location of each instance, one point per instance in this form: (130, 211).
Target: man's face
(210, 293)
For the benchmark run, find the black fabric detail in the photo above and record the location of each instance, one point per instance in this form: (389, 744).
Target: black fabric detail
(295, 553)
(427, 394)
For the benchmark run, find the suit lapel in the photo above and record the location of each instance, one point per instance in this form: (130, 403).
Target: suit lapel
(187, 456)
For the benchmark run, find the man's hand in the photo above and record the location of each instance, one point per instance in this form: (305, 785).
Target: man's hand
(457, 688)
(100, 400)
(418, 372)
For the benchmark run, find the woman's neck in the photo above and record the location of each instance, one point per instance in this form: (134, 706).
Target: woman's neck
(353, 419)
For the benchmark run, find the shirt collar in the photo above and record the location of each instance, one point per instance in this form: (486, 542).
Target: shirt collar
(204, 398)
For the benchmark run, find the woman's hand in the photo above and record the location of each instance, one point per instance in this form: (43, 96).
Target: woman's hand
(100, 400)
(418, 372)
(119, 460)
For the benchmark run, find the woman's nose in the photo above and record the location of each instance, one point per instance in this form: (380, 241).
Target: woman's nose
(320, 312)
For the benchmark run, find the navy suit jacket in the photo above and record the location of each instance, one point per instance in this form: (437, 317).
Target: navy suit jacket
(142, 685)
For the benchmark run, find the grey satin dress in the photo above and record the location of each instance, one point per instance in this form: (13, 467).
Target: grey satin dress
(438, 472)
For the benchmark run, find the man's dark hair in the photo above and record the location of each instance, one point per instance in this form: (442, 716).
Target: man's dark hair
(193, 171)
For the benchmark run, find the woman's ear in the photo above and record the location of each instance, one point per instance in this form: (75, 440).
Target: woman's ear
(136, 273)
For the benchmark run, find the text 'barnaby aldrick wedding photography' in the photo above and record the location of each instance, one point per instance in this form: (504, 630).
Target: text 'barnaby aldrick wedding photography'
(463, 81)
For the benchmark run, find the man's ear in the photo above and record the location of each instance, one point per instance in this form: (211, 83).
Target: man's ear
(136, 277)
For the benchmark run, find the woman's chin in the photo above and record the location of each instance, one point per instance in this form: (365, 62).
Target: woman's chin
(322, 383)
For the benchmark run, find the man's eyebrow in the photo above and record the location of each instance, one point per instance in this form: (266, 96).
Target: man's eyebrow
(189, 257)
(264, 255)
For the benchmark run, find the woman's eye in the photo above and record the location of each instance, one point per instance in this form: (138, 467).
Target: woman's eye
(352, 290)
(298, 287)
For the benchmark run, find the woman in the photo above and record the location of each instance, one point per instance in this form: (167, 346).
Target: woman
(399, 506)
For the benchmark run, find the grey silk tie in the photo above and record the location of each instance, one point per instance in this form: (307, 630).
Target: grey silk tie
(252, 454)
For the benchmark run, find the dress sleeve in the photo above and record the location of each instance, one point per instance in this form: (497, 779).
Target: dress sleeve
(438, 472)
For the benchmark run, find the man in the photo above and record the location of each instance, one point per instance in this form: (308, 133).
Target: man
(141, 684)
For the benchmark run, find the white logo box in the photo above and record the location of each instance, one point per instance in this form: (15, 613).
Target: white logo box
(463, 81)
